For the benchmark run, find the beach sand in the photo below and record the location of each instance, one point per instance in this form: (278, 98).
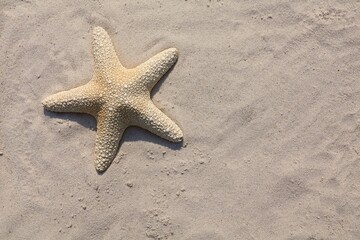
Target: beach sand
(267, 94)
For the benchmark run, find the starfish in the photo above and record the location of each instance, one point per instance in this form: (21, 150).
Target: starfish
(118, 98)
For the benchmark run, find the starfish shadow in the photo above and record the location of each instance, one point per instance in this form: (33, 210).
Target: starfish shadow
(83, 119)
(135, 134)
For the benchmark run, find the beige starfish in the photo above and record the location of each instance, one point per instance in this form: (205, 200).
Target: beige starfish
(118, 97)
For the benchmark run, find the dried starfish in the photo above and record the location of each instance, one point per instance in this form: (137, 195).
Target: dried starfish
(118, 98)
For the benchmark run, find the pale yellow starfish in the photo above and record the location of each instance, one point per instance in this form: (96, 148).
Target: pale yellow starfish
(118, 97)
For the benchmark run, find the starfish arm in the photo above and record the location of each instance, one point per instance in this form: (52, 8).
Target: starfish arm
(154, 120)
(108, 135)
(82, 99)
(106, 60)
(153, 69)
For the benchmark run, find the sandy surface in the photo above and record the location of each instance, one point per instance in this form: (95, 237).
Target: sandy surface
(267, 94)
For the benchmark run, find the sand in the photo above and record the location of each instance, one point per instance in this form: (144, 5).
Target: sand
(267, 94)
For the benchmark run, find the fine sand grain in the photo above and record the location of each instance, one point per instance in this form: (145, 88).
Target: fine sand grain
(267, 94)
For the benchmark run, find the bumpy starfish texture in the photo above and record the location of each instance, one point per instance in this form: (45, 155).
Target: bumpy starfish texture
(118, 97)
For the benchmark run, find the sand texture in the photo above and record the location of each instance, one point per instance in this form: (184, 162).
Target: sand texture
(267, 94)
